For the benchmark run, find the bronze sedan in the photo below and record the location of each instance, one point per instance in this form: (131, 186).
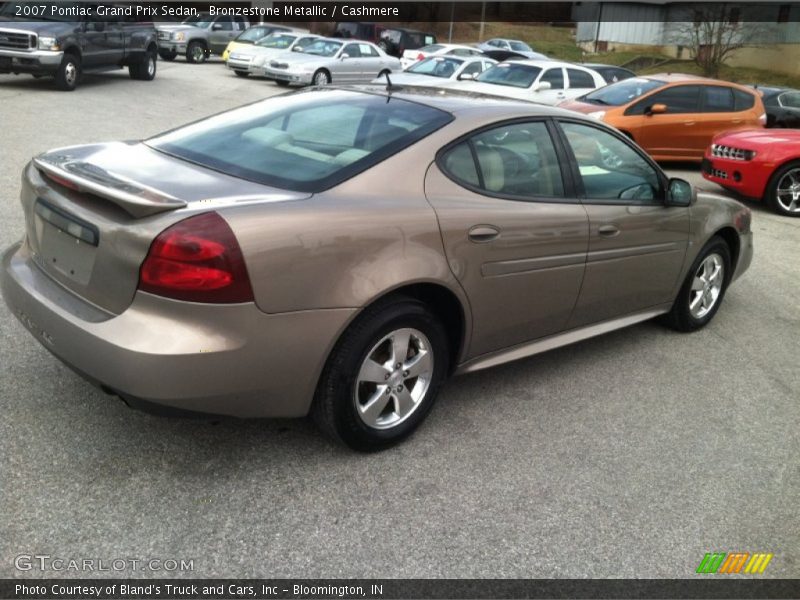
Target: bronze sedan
(340, 252)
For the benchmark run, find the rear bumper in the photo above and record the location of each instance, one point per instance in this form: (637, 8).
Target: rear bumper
(747, 178)
(221, 359)
(34, 61)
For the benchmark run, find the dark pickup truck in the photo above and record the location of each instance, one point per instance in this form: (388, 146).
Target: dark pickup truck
(66, 45)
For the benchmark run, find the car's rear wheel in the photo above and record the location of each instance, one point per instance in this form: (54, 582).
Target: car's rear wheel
(69, 72)
(704, 288)
(195, 52)
(383, 376)
(145, 70)
(783, 190)
(169, 55)
(321, 77)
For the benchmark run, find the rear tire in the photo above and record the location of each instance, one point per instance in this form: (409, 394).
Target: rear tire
(783, 190)
(69, 72)
(364, 399)
(168, 55)
(196, 53)
(145, 70)
(704, 288)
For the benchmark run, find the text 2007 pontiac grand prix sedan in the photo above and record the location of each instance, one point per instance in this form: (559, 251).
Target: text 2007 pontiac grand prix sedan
(342, 251)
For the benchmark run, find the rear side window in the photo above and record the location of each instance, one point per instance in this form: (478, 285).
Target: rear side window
(517, 161)
(788, 99)
(579, 79)
(743, 100)
(718, 99)
(291, 142)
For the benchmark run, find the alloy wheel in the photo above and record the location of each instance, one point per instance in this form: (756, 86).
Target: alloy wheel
(706, 286)
(787, 193)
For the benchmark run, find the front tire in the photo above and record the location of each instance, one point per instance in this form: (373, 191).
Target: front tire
(321, 77)
(145, 70)
(783, 190)
(69, 73)
(704, 288)
(383, 376)
(196, 53)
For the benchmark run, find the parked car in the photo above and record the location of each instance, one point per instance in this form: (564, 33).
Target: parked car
(357, 30)
(673, 116)
(758, 164)
(782, 106)
(270, 260)
(199, 37)
(544, 82)
(396, 41)
(518, 47)
(331, 60)
(611, 73)
(439, 71)
(250, 36)
(66, 49)
(252, 59)
(412, 56)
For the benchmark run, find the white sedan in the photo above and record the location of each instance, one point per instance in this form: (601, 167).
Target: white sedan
(412, 56)
(251, 59)
(439, 71)
(541, 81)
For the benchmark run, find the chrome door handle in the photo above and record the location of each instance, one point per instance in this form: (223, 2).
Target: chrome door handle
(483, 233)
(608, 230)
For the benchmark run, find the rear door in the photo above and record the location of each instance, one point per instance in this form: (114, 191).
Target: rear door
(579, 82)
(514, 235)
(671, 134)
(636, 243)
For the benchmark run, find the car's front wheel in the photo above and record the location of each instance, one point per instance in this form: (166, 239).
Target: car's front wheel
(321, 77)
(703, 289)
(783, 190)
(196, 52)
(69, 72)
(383, 376)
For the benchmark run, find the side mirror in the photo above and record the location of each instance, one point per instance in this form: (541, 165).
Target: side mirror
(542, 86)
(216, 27)
(656, 109)
(679, 193)
(467, 76)
(343, 56)
(297, 49)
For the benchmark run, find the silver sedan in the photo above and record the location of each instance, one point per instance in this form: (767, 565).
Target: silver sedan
(331, 60)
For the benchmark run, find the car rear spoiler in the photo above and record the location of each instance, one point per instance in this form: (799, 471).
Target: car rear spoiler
(135, 199)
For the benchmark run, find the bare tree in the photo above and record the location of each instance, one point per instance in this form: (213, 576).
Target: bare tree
(714, 34)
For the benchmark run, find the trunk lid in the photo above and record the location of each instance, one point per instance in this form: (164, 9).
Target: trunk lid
(92, 212)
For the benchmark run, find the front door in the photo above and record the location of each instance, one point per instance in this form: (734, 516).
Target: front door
(637, 245)
(671, 134)
(221, 34)
(514, 237)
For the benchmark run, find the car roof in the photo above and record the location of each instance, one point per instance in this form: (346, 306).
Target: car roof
(688, 78)
(602, 66)
(542, 63)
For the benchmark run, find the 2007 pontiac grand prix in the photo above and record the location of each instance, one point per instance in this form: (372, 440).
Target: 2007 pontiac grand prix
(341, 252)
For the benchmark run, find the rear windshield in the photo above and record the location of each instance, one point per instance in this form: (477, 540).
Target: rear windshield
(437, 66)
(511, 74)
(294, 143)
(253, 34)
(432, 48)
(519, 46)
(622, 92)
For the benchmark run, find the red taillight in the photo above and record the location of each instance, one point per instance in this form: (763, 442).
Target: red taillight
(420, 56)
(198, 260)
(61, 181)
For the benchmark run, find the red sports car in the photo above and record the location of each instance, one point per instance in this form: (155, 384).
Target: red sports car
(762, 164)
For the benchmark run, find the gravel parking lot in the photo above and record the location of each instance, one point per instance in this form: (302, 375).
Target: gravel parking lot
(629, 455)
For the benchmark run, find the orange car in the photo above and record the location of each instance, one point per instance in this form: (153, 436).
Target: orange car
(672, 116)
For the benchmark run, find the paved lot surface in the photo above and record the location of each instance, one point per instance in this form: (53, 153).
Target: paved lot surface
(629, 455)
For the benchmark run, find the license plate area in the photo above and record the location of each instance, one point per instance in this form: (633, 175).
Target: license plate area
(67, 245)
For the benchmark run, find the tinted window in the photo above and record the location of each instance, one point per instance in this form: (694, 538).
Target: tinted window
(718, 99)
(678, 99)
(579, 79)
(519, 46)
(276, 40)
(611, 169)
(473, 68)
(555, 77)
(623, 92)
(437, 66)
(253, 34)
(292, 142)
(432, 48)
(352, 50)
(516, 160)
(511, 74)
(789, 99)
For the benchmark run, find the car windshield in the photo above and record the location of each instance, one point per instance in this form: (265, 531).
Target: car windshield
(277, 40)
(519, 46)
(323, 48)
(511, 74)
(437, 66)
(622, 92)
(291, 142)
(252, 35)
(41, 11)
(201, 21)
